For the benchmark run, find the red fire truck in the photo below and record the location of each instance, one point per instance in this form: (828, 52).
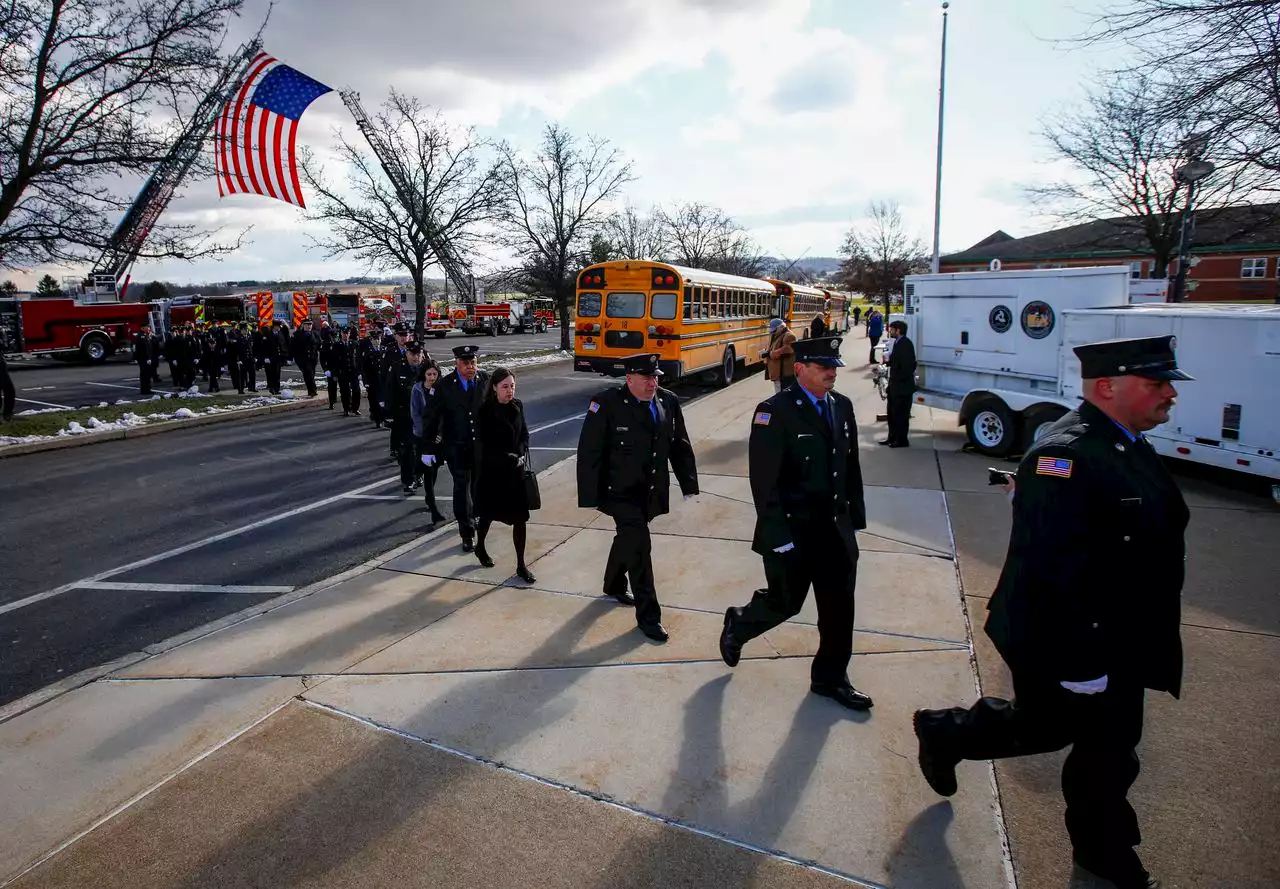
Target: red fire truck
(46, 326)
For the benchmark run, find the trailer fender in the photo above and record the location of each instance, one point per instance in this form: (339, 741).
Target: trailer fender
(1016, 402)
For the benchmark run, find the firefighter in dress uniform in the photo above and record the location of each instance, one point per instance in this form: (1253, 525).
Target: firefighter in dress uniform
(1087, 610)
(369, 355)
(304, 349)
(146, 354)
(393, 358)
(806, 482)
(347, 358)
(629, 436)
(269, 349)
(458, 396)
(399, 396)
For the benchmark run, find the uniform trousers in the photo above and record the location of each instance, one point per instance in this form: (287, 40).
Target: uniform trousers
(8, 395)
(331, 385)
(308, 369)
(249, 375)
(409, 454)
(630, 557)
(144, 378)
(464, 490)
(272, 371)
(373, 392)
(233, 370)
(428, 475)
(899, 410)
(874, 340)
(349, 387)
(1103, 730)
(821, 560)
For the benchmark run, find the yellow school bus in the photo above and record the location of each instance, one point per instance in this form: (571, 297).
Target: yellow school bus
(799, 304)
(837, 311)
(696, 321)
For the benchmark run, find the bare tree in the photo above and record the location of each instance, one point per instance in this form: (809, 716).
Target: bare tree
(555, 203)
(635, 235)
(705, 237)
(1123, 147)
(92, 89)
(1222, 54)
(881, 254)
(455, 192)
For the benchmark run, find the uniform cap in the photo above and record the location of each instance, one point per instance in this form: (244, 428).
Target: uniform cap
(466, 351)
(400, 327)
(645, 365)
(824, 350)
(1151, 357)
(412, 346)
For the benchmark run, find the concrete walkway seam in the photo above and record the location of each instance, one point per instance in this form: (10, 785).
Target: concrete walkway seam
(91, 438)
(635, 811)
(66, 844)
(1006, 848)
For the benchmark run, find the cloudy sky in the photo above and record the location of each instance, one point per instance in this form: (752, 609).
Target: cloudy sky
(792, 115)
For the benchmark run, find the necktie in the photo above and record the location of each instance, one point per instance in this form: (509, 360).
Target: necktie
(822, 412)
(653, 408)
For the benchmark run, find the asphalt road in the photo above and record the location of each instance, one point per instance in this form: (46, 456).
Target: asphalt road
(48, 383)
(317, 487)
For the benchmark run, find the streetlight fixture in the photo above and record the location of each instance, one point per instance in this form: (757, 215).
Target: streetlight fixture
(937, 189)
(1188, 174)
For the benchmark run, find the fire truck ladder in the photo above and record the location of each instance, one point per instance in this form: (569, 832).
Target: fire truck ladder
(126, 241)
(450, 259)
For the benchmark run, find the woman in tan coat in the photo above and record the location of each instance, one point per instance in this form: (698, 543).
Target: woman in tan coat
(780, 356)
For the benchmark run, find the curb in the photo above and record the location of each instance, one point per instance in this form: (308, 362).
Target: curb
(91, 438)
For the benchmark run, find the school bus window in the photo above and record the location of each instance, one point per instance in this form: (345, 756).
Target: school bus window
(625, 305)
(588, 305)
(663, 306)
(688, 302)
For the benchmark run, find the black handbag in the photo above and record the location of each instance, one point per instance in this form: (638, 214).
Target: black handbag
(532, 496)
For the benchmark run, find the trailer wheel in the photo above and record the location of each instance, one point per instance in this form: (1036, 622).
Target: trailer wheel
(1037, 419)
(723, 375)
(95, 348)
(991, 428)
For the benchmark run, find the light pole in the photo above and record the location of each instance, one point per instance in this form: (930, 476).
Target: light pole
(937, 188)
(1188, 174)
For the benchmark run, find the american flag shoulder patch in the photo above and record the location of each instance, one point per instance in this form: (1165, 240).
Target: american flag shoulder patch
(593, 407)
(762, 418)
(1059, 466)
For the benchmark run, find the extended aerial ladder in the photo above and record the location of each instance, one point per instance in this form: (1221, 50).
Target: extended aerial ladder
(109, 280)
(449, 257)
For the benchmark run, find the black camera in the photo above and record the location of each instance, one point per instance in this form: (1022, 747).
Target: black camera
(998, 476)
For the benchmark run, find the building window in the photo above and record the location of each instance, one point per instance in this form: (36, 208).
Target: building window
(1253, 268)
(1135, 269)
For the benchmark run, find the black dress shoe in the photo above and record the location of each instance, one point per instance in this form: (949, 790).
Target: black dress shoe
(467, 545)
(484, 558)
(656, 632)
(730, 648)
(623, 597)
(938, 768)
(886, 442)
(1129, 874)
(526, 575)
(437, 518)
(846, 695)
(900, 444)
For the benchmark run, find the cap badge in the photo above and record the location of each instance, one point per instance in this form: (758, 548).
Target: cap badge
(835, 345)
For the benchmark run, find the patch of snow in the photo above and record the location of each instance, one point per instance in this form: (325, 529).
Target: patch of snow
(103, 404)
(73, 428)
(183, 413)
(124, 401)
(33, 411)
(286, 395)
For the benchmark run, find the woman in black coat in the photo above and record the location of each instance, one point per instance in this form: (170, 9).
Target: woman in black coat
(502, 451)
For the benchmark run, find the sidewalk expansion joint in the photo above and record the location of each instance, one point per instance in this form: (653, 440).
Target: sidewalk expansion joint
(604, 799)
(138, 797)
(1265, 634)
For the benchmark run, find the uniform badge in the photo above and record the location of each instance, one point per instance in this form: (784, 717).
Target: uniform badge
(593, 407)
(762, 418)
(1053, 466)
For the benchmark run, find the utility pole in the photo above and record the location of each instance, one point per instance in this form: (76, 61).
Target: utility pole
(937, 188)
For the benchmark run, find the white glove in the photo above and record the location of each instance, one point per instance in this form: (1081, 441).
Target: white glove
(266, 360)
(1090, 687)
(428, 459)
(327, 374)
(382, 404)
(520, 461)
(148, 364)
(785, 549)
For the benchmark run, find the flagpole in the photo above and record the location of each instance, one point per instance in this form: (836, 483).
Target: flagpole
(937, 190)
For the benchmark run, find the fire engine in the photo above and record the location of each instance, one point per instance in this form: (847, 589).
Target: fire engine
(64, 326)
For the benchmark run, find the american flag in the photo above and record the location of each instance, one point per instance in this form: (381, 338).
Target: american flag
(1054, 466)
(257, 131)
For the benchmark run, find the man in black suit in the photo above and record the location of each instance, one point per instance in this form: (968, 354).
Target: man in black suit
(902, 384)
(806, 482)
(1087, 610)
(304, 349)
(459, 395)
(629, 436)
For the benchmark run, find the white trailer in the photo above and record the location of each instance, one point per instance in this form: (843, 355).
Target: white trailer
(996, 348)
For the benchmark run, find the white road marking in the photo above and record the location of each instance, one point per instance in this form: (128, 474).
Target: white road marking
(45, 403)
(37, 388)
(554, 449)
(186, 588)
(133, 388)
(561, 422)
(186, 548)
(386, 496)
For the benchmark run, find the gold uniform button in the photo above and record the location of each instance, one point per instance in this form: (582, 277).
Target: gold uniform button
(1126, 540)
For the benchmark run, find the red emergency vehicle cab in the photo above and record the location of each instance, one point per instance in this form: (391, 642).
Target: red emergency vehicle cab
(49, 326)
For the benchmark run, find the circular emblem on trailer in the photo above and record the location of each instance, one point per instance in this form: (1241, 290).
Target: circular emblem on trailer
(1000, 319)
(1037, 319)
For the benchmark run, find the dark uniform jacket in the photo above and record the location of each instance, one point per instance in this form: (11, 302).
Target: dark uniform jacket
(304, 347)
(269, 346)
(145, 350)
(369, 357)
(902, 367)
(1092, 582)
(454, 420)
(623, 455)
(240, 348)
(400, 388)
(346, 358)
(213, 350)
(804, 471)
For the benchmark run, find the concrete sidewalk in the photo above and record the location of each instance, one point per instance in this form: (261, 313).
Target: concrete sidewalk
(428, 722)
